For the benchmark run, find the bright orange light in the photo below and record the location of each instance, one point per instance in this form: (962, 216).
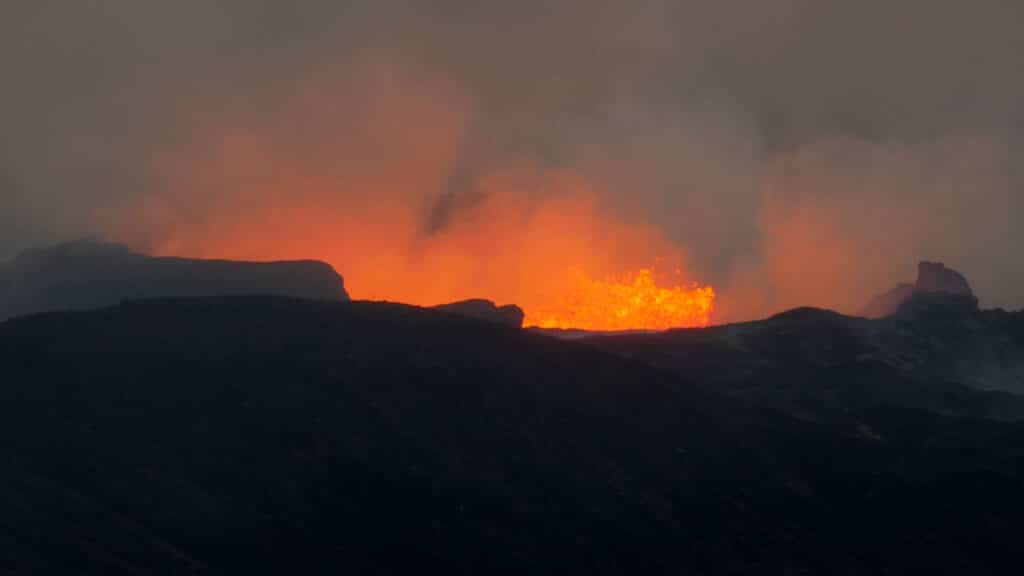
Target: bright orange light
(635, 302)
(357, 184)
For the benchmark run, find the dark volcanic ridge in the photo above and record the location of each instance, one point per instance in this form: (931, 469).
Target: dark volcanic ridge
(938, 353)
(933, 349)
(932, 277)
(87, 274)
(269, 435)
(509, 314)
(936, 350)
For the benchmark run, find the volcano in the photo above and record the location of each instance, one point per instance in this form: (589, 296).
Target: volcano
(249, 433)
(262, 434)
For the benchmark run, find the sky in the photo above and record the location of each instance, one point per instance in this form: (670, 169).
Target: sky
(788, 152)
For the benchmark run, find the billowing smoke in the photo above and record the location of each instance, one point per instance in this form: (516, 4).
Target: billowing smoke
(787, 153)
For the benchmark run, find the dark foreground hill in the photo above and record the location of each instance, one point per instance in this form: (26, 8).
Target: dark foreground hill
(262, 435)
(938, 352)
(87, 274)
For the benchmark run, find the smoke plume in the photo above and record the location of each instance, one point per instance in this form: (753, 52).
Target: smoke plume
(796, 152)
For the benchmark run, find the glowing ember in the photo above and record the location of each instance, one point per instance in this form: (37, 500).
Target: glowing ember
(635, 302)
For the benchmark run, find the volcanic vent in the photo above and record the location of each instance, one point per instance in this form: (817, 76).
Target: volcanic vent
(543, 240)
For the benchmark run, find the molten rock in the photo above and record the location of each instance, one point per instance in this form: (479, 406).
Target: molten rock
(85, 274)
(486, 310)
(931, 277)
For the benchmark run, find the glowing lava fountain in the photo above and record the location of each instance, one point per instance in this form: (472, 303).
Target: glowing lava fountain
(634, 302)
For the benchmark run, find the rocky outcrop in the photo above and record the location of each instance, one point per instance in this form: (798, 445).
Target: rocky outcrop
(510, 314)
(889, 302)
(85, 274)
(935, 277)
(932, 277)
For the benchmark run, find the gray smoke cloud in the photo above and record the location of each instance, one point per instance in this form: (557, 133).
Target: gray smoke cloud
(801, 151)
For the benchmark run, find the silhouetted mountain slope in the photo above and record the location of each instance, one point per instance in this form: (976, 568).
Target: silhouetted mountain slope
(939, 352)
(941, 335)
(932, 277)
(85, 274)
(509, 314)
(263, 435)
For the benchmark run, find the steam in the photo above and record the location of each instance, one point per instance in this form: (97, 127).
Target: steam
(788, 153)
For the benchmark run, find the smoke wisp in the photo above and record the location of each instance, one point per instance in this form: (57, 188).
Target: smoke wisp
(788, 153)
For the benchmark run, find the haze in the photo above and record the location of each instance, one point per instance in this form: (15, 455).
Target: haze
(792, 152)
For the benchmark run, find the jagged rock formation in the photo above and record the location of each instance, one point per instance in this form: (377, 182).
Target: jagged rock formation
(87, 274)
(931, 277)
(509, 314)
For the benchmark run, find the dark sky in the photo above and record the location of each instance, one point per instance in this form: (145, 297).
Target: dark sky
(801, 151)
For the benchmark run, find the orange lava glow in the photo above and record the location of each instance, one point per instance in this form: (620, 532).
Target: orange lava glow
(566, 261)
(351, 177)
(634, 302)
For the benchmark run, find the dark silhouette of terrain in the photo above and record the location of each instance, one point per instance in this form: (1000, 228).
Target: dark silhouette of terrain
(89, 274)
(932, 277)
(939, 353)
(267, 435)
(509, 314)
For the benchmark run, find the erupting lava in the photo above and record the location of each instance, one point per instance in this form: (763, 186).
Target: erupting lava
(632, 303)
(368, 184)
(372, 172)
